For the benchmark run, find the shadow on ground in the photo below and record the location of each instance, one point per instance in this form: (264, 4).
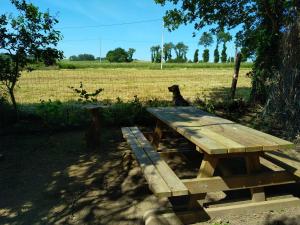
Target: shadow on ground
(52, 179)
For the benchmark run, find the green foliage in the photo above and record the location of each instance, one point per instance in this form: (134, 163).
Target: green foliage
(130, 52)
(224, 37)
(283, 103)
(206, 39)
(56, 114)
(24, 38)
(82, 57)
(181, 50)
(120, 55)
(205, 55)
(168, 51)
(224, 54)
(196, 56)
(262, 24)
(155, 54)
(85, 96)
(124, 113)
(216, 55)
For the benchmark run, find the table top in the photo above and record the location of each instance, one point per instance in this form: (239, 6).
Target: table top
(216, 135)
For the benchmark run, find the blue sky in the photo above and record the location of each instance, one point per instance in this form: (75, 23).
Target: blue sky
(141, 36)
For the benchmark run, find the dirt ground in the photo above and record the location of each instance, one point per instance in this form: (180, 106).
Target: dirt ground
(53, 179)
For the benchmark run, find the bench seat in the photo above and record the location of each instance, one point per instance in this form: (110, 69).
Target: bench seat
(162, 181)
(284, 161)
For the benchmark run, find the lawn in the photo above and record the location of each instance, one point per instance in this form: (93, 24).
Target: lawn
(128, 82)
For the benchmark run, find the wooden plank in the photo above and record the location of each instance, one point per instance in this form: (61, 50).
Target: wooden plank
(228, 129)
(272, 166)
(183, 124)
(190, 116)
(191, 113)
(206, 144)
(156, 184)
(174, 183)
(214, 184)
(154, 217)
(231, 145)
(284, 161)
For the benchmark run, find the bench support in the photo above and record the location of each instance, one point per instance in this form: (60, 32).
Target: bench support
(157, 134)
(253, 166)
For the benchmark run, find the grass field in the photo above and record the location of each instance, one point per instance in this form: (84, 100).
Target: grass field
(126, 83)
(67, 64)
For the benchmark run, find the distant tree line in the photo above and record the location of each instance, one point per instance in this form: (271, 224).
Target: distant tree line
(82, 57)
(180, 50)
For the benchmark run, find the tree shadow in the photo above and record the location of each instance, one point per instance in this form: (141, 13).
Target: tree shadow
(52, 179)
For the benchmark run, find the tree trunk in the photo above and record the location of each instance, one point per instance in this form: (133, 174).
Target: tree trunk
(13, 99)
(237, 65)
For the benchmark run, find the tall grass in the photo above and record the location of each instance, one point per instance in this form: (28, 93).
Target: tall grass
(128, 82)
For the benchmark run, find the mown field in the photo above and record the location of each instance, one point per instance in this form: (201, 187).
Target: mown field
(128, 82)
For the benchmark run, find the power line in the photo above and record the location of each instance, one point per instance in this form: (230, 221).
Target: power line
(94, 39)
(110, 25)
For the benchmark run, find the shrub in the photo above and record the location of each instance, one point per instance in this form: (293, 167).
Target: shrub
(56, 114)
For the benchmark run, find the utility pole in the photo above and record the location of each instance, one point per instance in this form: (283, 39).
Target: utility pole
(162, 46)
(100, 50)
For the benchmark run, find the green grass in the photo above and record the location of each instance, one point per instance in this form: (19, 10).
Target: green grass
(66, 64)
(128, 82)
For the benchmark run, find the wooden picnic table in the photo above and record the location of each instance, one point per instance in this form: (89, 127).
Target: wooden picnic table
(266, 163)
(219, 138)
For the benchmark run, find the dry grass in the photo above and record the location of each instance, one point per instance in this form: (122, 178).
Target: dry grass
(125, 83)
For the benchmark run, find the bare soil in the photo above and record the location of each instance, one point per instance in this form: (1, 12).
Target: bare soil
(54, 179)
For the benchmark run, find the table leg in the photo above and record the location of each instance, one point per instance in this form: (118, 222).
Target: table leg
(94, 131)
(253, 166)
(157, 134)
(207, 169)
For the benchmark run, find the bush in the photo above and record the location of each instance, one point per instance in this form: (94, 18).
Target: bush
(56, 114)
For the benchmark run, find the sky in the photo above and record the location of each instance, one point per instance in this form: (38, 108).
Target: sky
(90, 25)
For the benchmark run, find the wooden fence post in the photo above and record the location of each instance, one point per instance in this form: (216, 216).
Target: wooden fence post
(237, 65)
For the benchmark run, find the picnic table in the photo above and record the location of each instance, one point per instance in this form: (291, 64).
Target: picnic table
(216, 138)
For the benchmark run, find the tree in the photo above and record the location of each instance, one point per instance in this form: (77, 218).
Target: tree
(261, 22)
(196, 56)
(205, 55)
(168, 51)
(82, 57)
(206, 40)
(224, 54)
(28, 35)
(73, 58)
(155, 54)
(130, 52)
(120, 55)
(216, 55)
(224, 37)
(181, 50)
(216, 51)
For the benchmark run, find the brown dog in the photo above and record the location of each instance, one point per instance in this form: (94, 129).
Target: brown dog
(178, 100)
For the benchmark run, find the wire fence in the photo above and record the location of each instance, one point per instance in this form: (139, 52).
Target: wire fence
(40, 85)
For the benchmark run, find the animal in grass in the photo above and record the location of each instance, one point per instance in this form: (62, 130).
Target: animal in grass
(178, 100)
